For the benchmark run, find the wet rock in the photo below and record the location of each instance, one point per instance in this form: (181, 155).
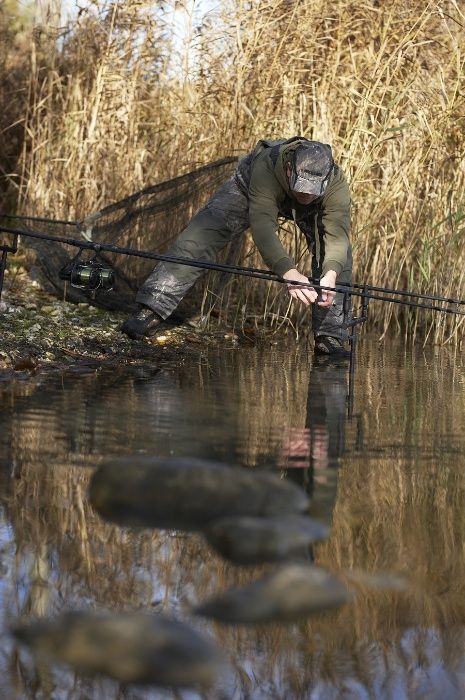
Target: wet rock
(187, 493)
(250, 540)
(25, 363)
(129, 647)
(290, 593)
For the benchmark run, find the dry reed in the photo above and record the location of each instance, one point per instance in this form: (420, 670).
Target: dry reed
(120, 103)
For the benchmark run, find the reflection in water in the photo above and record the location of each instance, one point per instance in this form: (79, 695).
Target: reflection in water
(310, 455)
(390, 481)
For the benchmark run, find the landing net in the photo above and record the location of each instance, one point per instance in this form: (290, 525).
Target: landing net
(147, 220)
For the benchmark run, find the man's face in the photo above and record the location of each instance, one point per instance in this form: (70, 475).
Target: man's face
(300, 197)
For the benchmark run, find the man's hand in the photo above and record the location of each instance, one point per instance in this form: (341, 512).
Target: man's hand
(305, 294)
(329, 280)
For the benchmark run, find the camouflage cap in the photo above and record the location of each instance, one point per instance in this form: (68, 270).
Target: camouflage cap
(312, 165)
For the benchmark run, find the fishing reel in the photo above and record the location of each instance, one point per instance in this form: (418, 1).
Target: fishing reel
(88, 274)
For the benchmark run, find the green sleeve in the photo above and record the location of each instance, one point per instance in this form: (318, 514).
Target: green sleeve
(336, 224)
(264, 196)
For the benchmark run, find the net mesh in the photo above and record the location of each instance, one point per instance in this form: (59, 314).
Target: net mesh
(146, 220)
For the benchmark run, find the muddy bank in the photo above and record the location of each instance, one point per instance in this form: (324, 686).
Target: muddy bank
(40, 332)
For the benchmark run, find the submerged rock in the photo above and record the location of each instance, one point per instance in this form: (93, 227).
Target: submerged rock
(248, 540)
(187, 493)
(128, 647)
(290, 593)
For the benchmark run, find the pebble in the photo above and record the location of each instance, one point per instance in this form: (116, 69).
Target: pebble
(134, 648)
(250, 540)
(289, 594)
(187, 493)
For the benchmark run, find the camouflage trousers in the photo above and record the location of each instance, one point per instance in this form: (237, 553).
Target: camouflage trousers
(224, 218)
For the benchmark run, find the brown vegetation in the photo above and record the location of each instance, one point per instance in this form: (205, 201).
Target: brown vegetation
(117, 104)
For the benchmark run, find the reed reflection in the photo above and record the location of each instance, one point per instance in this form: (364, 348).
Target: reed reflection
(395, 499)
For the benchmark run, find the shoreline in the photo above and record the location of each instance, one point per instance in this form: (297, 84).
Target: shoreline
(40, 332)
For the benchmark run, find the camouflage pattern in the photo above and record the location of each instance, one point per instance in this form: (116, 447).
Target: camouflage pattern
(224, 218)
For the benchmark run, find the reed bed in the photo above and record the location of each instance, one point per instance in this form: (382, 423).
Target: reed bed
(118, 102)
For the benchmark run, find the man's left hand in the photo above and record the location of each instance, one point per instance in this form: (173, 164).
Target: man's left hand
(327, 296)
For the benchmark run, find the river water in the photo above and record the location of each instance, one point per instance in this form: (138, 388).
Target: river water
(386, 470)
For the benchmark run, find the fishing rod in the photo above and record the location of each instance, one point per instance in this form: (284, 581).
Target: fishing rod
(81, 225)
(367, 292)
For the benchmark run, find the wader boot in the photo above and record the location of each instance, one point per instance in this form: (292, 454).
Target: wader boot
(144, 324)
(330, 347)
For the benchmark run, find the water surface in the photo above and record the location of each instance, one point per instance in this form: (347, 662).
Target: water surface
(388, 478)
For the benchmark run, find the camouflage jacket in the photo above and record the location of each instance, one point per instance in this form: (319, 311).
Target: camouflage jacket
(261, 176)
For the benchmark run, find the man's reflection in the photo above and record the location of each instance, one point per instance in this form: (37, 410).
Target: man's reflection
(310, 455)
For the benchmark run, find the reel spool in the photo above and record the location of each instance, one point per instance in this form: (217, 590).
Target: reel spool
(88, 274)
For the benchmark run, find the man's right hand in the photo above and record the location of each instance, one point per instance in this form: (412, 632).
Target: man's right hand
(305, 294)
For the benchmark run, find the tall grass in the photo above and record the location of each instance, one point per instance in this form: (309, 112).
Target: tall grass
(15, 38)
(124, 104)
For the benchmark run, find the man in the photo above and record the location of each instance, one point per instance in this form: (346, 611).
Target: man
(296, 179)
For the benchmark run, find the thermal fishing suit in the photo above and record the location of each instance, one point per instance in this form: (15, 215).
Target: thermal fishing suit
(256, 196)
